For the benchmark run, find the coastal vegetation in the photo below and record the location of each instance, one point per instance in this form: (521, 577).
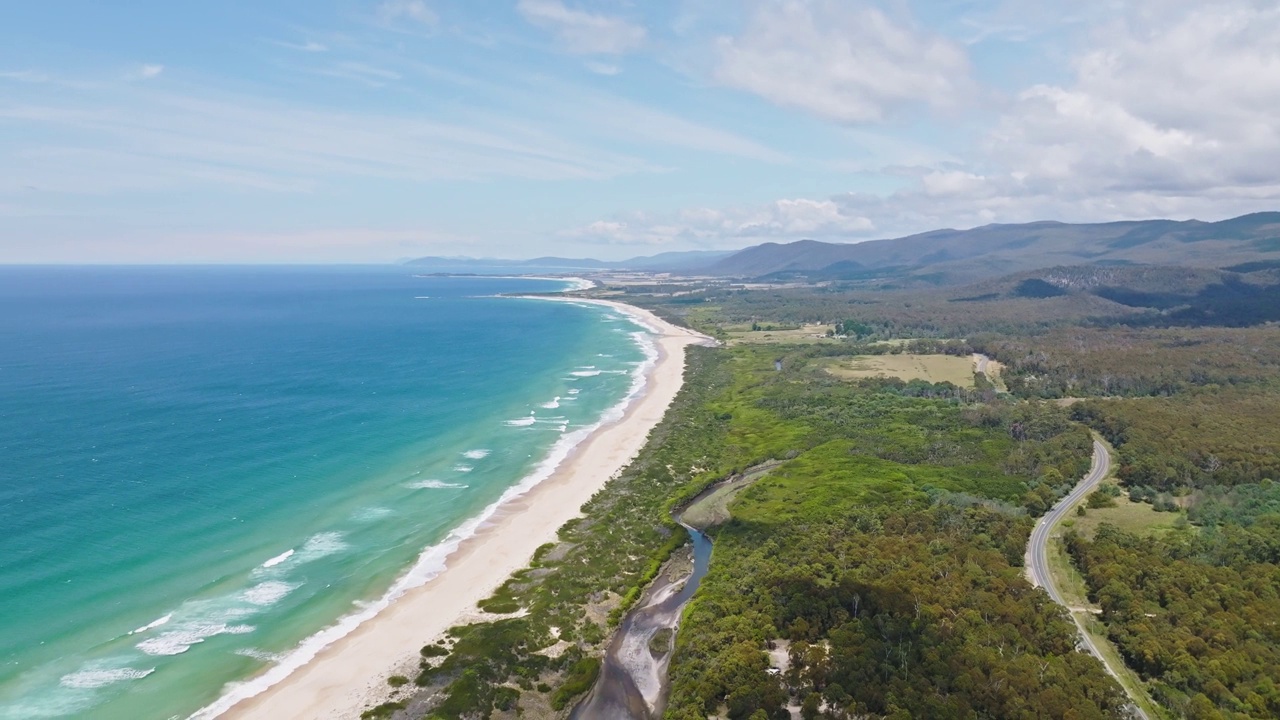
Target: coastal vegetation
(956, 473)
(545, 651)
(876, 497)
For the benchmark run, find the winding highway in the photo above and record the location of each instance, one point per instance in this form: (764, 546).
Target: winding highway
(1038, 553)
(1038, 548)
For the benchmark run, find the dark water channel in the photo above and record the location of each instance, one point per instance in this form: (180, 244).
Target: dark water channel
(633, 678)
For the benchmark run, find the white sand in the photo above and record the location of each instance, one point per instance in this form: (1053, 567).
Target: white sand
(350, 675)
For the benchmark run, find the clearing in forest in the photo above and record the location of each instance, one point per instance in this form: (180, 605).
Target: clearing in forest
(1133, 517)
(773, 334)
(931, 368)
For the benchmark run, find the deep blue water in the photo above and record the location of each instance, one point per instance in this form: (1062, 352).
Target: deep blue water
(202, 467)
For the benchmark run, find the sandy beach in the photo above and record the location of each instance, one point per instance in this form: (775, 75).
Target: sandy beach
(350, 674)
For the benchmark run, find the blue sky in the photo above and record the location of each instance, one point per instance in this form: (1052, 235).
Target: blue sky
(373, 130)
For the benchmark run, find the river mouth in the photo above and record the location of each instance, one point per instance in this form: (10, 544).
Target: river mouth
(633, 675)
(632, 684)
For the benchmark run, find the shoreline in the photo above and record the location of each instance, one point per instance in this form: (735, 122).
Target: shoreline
(348, 674)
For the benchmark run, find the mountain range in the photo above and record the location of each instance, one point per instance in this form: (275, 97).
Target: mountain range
(1245, 244)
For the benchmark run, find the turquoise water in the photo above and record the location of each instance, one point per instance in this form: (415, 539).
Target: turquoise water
(203, 468)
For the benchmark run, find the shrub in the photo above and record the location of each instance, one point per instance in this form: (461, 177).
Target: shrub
(579, 680)
(382, 712)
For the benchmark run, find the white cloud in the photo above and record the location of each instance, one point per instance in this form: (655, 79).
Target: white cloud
(361, 72)
(147, 72)
(24, 76)
(582, 32)
(310, 46)
(1169, 111)
(114, 138)
(600, 68)
(623, 119)
(92, 241)
(416, 11)
(843, 61)
(1169, 102)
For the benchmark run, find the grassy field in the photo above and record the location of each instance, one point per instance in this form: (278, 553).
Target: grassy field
(931, 368)
(1136, 518)
(740, 334)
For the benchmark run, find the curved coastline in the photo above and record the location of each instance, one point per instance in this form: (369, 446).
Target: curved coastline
(342, 669)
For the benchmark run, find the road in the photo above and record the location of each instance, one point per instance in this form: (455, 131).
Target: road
(1038, 552)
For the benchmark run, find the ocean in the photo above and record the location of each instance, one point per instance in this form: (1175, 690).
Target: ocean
(206, 472)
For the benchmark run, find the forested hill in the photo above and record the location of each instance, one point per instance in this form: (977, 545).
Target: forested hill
(1244, 244)
(1247, 244)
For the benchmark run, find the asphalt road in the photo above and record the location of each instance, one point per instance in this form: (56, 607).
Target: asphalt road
(1038, 548)
(1038, 555)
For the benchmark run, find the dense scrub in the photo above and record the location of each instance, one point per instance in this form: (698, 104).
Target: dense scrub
(1082, 362)
(892, 612)
(1196, 614)
(1197, 440)
(885, 314)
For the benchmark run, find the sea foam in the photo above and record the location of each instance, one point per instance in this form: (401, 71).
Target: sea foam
(178, 641)
(478, 454)
(278, 559)
(321, 545)
(435, 485)
(92, 679)
(267, 593)
(370, 514)
(153, 624)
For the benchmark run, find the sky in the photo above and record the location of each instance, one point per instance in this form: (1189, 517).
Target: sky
(377, 130)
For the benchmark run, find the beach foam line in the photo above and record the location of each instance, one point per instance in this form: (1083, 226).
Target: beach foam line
(553, 404)
(586, 373)
(278, 559)
(153, 624)
(522, 422)
(432, 561)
